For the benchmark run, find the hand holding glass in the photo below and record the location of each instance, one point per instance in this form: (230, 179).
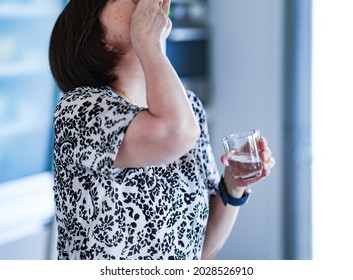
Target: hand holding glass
(243, 155)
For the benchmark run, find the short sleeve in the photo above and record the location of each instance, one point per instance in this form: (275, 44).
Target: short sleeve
(96, 123)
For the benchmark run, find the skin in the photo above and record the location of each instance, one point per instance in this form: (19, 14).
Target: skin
(167, 129)
(222, 218)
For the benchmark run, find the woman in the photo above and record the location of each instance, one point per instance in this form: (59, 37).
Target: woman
(135, 176)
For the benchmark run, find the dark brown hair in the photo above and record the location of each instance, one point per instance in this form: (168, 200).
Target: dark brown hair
(77, 55)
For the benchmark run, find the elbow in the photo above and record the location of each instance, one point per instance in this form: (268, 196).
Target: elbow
(180, 140)
(187, 135)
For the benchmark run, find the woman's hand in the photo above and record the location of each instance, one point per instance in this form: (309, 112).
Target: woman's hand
(236, 187)
(150, 24)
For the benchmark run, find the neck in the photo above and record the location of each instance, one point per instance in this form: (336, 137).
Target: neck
(131, 79)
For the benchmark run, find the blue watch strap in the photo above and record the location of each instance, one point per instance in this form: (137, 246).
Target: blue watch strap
(228, 199)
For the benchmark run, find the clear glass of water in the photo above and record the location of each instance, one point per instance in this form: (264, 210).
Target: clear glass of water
(243, 155)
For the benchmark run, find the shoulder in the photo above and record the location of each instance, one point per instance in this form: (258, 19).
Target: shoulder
(83, 94)
(93, 101)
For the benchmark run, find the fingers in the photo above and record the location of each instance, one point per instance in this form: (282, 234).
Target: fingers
(265, 152)
(262, 143)
(166, 6)
(267, 165)
(167, 29)
(163, 4)
(268, 162)
(149, 22)
(224, 160)
(265, 155)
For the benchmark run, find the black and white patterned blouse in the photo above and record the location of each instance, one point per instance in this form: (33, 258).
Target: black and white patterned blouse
(156, 212)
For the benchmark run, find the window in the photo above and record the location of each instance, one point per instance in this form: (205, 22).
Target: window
(27, 91)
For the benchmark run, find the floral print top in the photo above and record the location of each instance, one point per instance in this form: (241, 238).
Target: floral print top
(155, 212)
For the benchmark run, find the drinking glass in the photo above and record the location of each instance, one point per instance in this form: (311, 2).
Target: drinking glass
(243, 155)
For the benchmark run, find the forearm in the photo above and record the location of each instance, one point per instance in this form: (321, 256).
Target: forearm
(165, 94)
(220, 223)
(166, 97)
(221, 218)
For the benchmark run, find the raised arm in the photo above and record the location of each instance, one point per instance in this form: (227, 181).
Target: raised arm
(168, 128)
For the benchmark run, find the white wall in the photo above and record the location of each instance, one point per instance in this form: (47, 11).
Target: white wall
(332, 113)
(246, 59)
(27, 217)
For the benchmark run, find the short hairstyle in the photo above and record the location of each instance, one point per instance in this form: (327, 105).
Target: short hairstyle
(77, 55)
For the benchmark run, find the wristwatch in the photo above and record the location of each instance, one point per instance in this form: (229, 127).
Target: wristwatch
(228, 199)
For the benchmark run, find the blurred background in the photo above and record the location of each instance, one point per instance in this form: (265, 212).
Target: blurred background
(254, 64)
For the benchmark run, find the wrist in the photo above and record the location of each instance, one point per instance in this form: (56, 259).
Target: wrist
(149, 51)
(227, 198)
(236, 192)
